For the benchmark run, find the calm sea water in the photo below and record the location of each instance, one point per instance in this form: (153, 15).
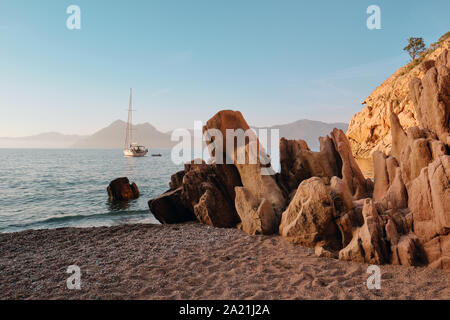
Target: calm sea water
(61, 188)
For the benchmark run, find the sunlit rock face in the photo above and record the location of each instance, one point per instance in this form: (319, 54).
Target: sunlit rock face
(257, 188)
(369, 130)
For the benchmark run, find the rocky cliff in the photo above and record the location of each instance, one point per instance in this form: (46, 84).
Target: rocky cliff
(369, 130)
(321, 199)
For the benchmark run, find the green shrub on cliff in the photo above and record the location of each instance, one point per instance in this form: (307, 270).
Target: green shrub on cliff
(418, 52)
(415, 47)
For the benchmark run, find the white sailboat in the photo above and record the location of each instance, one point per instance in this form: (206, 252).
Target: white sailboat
(132, 149)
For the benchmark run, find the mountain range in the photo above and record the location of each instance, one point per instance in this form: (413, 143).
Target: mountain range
(43, 140)
(113, 136)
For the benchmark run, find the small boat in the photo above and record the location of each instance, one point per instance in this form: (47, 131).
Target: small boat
(132, 149)
(156, 155)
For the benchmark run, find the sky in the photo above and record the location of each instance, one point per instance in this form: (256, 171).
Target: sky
(275, 61)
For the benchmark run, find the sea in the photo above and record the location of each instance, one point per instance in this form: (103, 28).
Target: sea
(54, 188)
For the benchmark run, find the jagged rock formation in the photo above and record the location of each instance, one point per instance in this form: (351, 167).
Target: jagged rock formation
(257, 215)
(431, 97)
(410, 210)
(367, 244)
(321, 199)
(423, 175)
(359, 186)
(369, 130)
(227, 194)
(298, 162)
(201, 192)
(208, 192)
(334, 159)
(257, 188)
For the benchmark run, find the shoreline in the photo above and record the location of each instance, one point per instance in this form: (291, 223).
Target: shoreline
(192, 261)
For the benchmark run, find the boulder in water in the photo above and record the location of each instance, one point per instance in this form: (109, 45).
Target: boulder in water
(120, 189)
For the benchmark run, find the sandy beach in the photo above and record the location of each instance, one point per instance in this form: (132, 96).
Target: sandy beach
(191, 261)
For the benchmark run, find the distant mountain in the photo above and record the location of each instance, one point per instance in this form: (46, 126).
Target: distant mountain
(113, 137)
(308, 130)
(43, 140)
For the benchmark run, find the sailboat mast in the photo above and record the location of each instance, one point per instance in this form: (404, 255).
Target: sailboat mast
(130, 115)
(129, 129)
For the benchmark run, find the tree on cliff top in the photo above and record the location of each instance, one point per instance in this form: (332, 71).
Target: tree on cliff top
(415, 47)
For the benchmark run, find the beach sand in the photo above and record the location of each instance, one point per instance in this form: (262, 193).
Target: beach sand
(191, 261)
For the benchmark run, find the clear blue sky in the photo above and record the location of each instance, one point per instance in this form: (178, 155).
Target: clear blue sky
(276, 61)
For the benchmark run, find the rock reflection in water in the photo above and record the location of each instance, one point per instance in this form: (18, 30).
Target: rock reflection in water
(118, 205)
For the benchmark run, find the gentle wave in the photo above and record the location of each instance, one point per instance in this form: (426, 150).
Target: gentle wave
(72, 219)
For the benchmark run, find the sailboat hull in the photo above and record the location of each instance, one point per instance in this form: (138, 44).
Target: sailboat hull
(134, 153)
